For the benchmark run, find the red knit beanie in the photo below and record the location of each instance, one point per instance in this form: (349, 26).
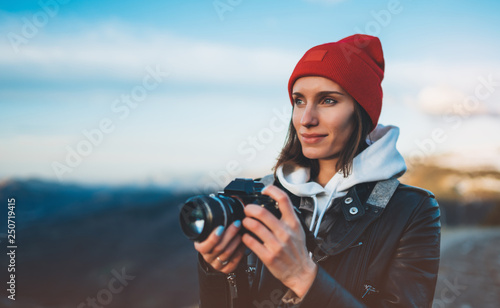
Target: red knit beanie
(356, 63)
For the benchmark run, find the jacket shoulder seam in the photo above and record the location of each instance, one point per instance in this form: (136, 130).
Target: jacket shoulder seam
(422, 191)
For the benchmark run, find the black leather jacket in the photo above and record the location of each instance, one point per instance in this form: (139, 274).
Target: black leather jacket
(365, 260)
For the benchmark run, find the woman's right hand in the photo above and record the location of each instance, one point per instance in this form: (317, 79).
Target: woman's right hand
(223, 249)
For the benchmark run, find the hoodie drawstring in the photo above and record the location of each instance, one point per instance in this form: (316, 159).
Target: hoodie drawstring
(320, 218)
(315, 212)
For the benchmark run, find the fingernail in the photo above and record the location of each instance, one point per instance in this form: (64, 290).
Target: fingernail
(219, 230)
(237, 223)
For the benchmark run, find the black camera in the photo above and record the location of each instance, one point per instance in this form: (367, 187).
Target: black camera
(200, 215)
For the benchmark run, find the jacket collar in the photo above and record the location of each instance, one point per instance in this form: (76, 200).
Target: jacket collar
(359, 213)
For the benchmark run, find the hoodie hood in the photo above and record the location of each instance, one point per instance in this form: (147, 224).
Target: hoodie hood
(379, 161)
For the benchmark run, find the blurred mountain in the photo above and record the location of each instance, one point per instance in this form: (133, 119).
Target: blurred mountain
(466, 184)
(459, 176)
(73, 239)
(49, 201)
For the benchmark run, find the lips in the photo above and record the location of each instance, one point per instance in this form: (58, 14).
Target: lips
(312, 138)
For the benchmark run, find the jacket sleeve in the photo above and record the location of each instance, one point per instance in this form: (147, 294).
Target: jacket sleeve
(214, 287)
(411, 275)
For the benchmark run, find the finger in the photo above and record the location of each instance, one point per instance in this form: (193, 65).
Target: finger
(213, 239)
(259, 249)
(219, 263)
(263, 215)
(284, 203)
(260, 230)
(230, 249)
(228, 235)
(280, 229)
(235, 259)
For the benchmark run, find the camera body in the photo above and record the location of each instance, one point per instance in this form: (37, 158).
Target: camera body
(200, 215)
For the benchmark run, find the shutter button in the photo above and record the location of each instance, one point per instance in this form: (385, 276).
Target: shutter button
(353, 210)
(348, 200)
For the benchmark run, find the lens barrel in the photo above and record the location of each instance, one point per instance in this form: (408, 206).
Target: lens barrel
(200, 215)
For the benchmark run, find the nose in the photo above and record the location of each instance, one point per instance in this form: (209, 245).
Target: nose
(309, 116)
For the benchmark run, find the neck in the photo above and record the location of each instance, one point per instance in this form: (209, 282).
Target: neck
(327, 169)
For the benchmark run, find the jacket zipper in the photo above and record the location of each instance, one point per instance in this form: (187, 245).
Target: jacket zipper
(233, 288)
(369, 289)
(353, 286)
(364, 263)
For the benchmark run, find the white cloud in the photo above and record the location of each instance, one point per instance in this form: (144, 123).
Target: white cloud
(114, 52)
(443, 100)
(424, 73)
(439, 99)
(440, 88)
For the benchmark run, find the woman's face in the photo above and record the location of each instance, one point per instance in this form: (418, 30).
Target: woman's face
(322, 116)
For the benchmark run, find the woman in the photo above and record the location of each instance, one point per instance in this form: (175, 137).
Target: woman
(369, 241)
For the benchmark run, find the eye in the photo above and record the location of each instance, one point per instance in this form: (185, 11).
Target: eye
(329, 101)
(298, 102)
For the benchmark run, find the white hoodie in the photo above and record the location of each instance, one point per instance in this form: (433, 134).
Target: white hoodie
(380, 161)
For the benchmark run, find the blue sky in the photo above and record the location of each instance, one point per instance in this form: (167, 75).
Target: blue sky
(223, 79)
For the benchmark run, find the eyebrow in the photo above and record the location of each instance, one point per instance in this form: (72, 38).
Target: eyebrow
(322, 93)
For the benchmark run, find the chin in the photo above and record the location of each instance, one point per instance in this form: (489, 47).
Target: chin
(312, 154)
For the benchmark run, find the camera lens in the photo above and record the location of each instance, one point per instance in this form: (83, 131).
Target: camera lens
(200, 215)
(196, 221)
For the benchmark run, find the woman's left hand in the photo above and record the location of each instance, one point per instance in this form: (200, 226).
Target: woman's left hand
(283, 250)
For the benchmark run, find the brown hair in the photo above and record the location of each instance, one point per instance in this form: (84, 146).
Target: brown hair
(292, 150)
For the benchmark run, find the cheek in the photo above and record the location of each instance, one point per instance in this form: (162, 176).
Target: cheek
(347, 124)
(341, 125)
(296, 119)
(336, 121)
(347, 127)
